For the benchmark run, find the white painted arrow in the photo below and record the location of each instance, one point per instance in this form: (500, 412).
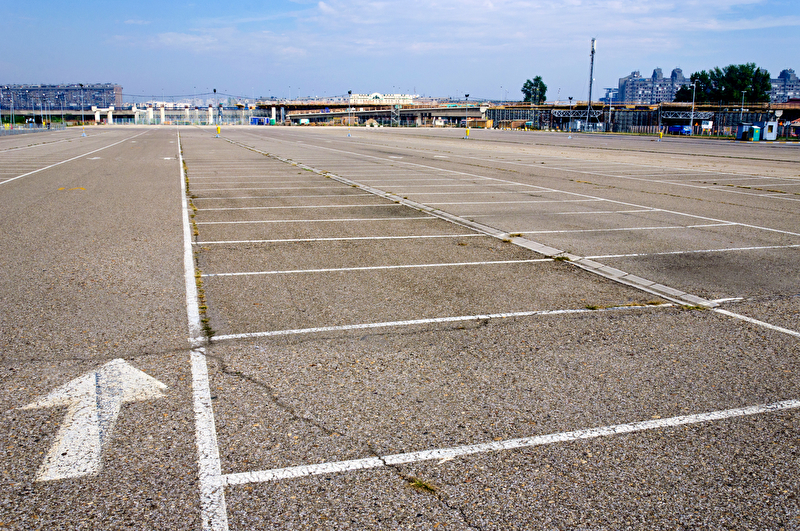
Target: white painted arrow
(93, 401)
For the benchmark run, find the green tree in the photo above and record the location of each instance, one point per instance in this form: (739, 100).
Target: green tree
(728, 85)
(534, 91)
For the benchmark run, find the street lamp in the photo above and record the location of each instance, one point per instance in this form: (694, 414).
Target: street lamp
(741, 110)
(691, 116)
(83, 124)
(349, 98)
(466, 115)
(570, 113)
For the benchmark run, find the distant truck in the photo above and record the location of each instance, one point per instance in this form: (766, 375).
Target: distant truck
(679, 130)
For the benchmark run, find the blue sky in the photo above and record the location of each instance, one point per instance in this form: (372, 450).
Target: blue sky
(430, 47)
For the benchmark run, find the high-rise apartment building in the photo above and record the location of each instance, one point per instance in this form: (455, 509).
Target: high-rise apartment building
(69, 96)
(785, 87)
(636, 89)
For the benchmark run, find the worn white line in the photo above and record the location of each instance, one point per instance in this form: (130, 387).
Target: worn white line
(496, 446)
(265, 188)
(70, 160)
(355, 194)
(757, 322)
(601, 212)
(288, 207)
(214, 513)
(516, 202)
(676, 227)
(343, 239)
(375, 268)
(310, 220)
(413, 322)
(722, 250)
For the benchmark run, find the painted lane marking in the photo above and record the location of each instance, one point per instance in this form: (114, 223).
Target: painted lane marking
(570, 231)
(264, 188)
(311, 220)
(432, 320)
(358, 194)
(601, 212)
(343, 239)
(286, 207)
(213, 509)
(70, 160)
(93, 403)
(757, 322)
(516, 202)
(759, 248)
(375, 268)
(243, 478)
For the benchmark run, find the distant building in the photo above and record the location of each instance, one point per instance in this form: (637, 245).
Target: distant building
(382, 99)
(69, 96)
(785, 88)
(612, 95)
(636, 89)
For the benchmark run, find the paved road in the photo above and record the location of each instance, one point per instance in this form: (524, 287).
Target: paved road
(291, 328)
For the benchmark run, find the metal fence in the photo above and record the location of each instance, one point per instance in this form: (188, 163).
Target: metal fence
(29, 128)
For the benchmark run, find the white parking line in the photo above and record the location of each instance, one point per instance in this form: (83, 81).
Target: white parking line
(343, 239)
(310, 220)
(284, 207)
(376, 268)
(731, 249)
(600, 212)
(757, 322)
(676, 227)
(264, 188)
(214, 513)
(243, 478)
(517, 202)
(355, 194)
(432, 320)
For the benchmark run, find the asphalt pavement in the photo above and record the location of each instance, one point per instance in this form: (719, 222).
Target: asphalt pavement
(310, 328)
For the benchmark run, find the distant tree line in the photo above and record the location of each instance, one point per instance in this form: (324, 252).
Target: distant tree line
(728, 85)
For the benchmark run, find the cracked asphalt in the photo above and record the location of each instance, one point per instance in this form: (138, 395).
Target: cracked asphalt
(380, 325)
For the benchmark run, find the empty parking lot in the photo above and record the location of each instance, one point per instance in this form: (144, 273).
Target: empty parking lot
(399, 329)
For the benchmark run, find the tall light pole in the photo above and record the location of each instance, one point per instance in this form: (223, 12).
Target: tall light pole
(691, 116)
(591, 80)
(349, 94)
(570, 113)
(83, 124)
(741, 110)
(466, 115)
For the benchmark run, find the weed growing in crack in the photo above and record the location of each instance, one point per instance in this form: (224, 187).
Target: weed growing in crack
(421, 485)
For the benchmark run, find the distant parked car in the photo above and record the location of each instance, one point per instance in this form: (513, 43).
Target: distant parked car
(679, 130)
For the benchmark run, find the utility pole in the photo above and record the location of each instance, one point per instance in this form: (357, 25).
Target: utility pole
(691, 116)
(466, 116)
(591, 80)
(349, 99)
